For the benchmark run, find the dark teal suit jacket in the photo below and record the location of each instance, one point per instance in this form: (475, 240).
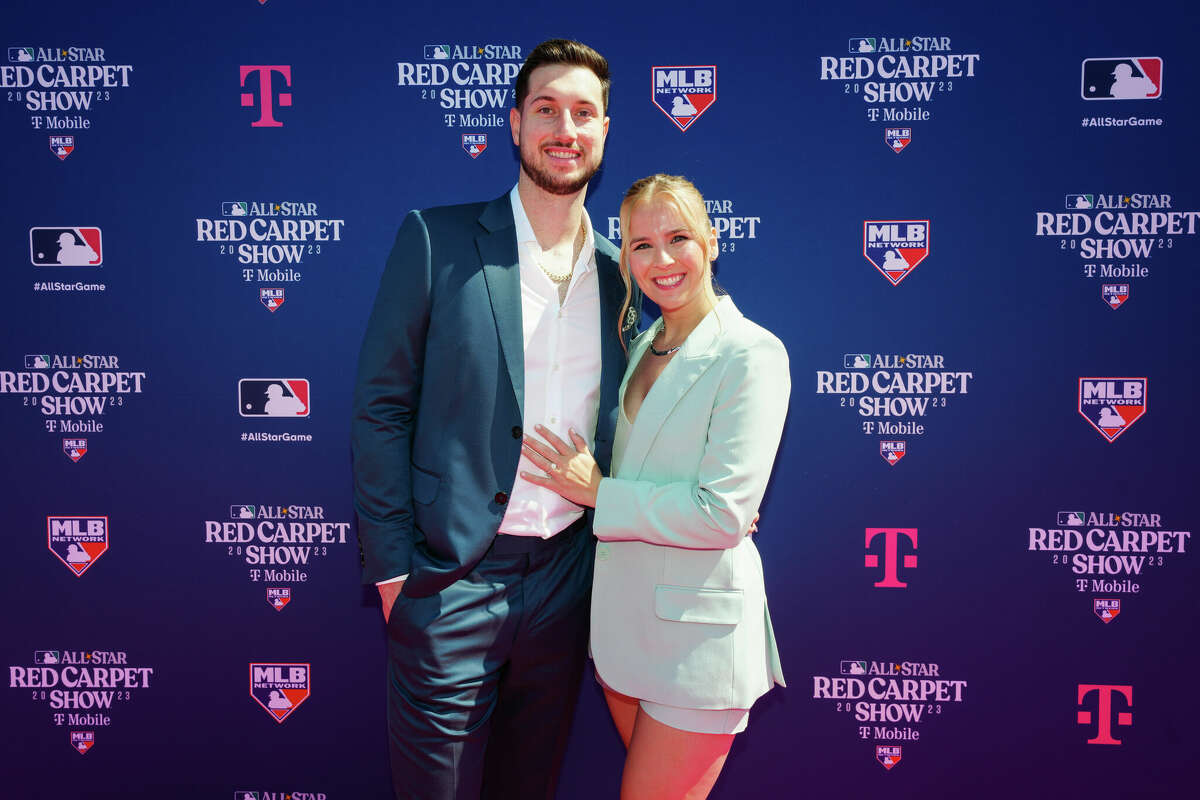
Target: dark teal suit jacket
(440, 390)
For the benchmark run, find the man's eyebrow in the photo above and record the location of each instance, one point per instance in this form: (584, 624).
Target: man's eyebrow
(554, 99)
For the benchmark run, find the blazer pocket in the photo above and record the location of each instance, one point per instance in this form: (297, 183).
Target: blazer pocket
(696, 604)
(424, 485)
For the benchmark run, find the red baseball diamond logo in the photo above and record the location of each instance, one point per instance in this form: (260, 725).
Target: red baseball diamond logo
(474, 143)
(273, 397)
(1129, 78)
(271, 299)
(62, 146)
(895, 246)
(1104, 715)
(892, 451)
(890, 538)
(266, 95)
(75, 448)
(279, 597)
(887, 754)
(82, 741)
(1114, 294)
(280, 688)
(1111, 405)
(897, 138)
(1106, 609)
(65, 247)
(77, 541)
(683, 93)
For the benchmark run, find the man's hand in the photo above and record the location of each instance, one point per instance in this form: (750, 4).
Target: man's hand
(388, 592)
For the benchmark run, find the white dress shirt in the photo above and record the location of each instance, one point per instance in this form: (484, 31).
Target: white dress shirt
(562, 371)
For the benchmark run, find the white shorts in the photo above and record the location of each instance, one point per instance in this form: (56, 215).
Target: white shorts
(693, 720)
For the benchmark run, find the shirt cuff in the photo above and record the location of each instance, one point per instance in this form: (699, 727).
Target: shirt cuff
(396, 579)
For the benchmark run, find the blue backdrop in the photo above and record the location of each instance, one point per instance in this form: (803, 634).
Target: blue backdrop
(1048, 232)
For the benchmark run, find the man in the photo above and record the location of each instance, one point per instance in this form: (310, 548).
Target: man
(491, 318)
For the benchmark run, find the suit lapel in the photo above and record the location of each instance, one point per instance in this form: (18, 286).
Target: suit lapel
(699, 352)
(502, 273)
(612, 356)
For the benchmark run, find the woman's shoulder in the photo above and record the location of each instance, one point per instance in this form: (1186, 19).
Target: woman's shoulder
(743, 335)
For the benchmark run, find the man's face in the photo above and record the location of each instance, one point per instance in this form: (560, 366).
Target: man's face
(560, 128)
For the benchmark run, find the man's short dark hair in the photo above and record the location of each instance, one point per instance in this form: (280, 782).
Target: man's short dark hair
(562, 51)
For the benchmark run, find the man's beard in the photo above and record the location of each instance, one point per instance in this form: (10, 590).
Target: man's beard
(553, 184)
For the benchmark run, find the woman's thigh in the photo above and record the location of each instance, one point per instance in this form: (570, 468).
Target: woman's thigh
(664, 763)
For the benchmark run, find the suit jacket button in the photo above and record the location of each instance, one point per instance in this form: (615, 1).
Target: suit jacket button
(501, 498)
(516, 431)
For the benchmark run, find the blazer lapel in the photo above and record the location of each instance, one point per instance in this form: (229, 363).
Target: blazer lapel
(698, 353)
(502, 273)
(612, 356)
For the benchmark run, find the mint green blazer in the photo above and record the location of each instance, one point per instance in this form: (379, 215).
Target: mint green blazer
(679, 614)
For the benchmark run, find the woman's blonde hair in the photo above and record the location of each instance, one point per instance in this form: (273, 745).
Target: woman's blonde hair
(685, 198)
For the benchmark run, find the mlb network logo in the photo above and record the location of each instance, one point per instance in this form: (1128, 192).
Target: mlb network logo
(279, 597)
(1128, 78)
(273, 397)
(1114, 294)
(1106, 609)
(74, 449)
(897, 138)
(82, 741)
(271, 298)
(887, 754)
(62, 146)
(892, 450)
(77, 541)
(1111, 405)
(683, 93)
(280, 688)
(65, 247)
(891, 560)
(474, 143)
(895, 246)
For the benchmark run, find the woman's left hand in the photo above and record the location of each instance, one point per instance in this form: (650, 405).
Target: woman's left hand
(570, 471)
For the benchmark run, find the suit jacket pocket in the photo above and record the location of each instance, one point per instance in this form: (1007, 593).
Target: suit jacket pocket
(697, 604)
(424, 485)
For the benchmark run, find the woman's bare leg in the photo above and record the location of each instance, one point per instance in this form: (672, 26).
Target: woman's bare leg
(665, 763)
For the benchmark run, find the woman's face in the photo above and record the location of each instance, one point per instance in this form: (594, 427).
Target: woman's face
(667, 260)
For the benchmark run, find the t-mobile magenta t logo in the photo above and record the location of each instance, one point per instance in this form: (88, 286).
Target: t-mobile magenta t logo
(890, 538)
(1104, 711)
(266, 101)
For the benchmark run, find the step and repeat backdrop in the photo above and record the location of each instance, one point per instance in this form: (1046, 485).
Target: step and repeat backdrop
(975, 228)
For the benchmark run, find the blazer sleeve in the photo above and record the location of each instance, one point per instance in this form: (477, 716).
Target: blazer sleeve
(743, 432)
(386, 394)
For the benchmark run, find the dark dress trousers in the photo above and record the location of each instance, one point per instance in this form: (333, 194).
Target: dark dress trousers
(488, 638)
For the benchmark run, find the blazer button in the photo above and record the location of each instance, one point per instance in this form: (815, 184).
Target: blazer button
(501, 498)
(516, 431)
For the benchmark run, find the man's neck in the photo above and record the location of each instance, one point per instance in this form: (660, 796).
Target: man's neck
(555, 218)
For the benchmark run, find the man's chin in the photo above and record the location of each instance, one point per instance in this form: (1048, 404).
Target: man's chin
(554, 184)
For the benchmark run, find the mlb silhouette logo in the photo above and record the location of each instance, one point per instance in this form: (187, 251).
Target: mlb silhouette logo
(474, 143)
(21, 54)
(279, 597)
(242, 794)
(437, 52)
(82, 741)
(897, 138)
(74, 448)
(856, 360)
(37, 361)
(241, 512)
(892, 451)
(895, 246)
(1080, 201)
(862, 44)
(683, 93)
(1111, 405)
(1129, 78)
(1114, 294)
(46, 657)
(280, 688)
(271, 299)
(62, 146)
(887, 754)
(1106, 609)
(1069, 519)
(853, 667)
(273, 397)
(237, 208)
(65, 247)
(77, 541)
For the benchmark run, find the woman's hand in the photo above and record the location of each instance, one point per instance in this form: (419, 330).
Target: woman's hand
(570, 471)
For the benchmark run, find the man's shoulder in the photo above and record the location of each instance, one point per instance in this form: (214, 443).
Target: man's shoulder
(457, 214)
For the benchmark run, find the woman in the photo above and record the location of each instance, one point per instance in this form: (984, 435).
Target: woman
(681, 636)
